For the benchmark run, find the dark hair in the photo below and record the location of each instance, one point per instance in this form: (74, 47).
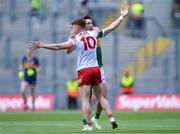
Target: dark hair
(89, 17)
(86, 17)
(84, 2)
(80, 22)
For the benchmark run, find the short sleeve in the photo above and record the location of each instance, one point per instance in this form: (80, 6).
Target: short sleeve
(73, 42)
(36, 61)
(100, 34)
(23, 60)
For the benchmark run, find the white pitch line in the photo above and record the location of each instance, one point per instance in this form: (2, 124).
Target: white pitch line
(38, 124)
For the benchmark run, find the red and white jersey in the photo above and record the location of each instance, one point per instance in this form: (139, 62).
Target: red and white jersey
(85, 43)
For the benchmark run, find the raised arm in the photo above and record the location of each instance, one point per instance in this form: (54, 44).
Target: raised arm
(61, 46)
(117, 22)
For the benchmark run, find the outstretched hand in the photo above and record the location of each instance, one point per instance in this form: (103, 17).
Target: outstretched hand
(124, 11)
(34, 45)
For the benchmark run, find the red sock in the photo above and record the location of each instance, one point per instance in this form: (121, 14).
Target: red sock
(110, 115)
(89, 123)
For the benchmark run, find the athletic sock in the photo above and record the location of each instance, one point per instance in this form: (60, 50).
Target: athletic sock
(84, 122)
(97, 115)
(89, 123)
(111, 118)
(110, 115)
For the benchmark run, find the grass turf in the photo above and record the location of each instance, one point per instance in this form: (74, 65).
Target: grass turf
(69, 122)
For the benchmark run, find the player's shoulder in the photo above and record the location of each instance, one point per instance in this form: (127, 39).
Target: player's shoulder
(24, 57)
(35, 58)
(96, 29)
(92, 32)
(83, 34)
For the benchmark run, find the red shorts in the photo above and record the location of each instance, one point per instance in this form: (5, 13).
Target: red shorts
(89, 76)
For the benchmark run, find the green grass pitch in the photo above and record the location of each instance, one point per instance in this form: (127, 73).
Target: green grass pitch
(69, 122)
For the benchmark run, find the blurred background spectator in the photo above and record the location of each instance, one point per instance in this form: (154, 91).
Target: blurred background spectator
(136, 18)
(35, 8)
(38, 11)
(127, 83)
(72, 93)
(29, 68)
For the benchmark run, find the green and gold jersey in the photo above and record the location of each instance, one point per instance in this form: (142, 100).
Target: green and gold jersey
(98, 50)
(99, 53)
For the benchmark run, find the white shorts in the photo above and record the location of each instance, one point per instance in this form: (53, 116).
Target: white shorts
(103, 78)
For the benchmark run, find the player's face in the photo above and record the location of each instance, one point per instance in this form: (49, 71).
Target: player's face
(75, 29)
(72, 35)
(89, 24)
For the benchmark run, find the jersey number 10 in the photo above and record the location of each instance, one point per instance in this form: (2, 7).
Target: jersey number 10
(89, 42)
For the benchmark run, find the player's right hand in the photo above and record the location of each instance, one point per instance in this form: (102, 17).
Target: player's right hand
(34, 44)
(124, 11)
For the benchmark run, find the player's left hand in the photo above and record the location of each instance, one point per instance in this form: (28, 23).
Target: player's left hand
(124, 11)
(34, 45)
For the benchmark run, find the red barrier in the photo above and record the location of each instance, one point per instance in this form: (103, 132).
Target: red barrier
(14, 102)
(148, 102)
